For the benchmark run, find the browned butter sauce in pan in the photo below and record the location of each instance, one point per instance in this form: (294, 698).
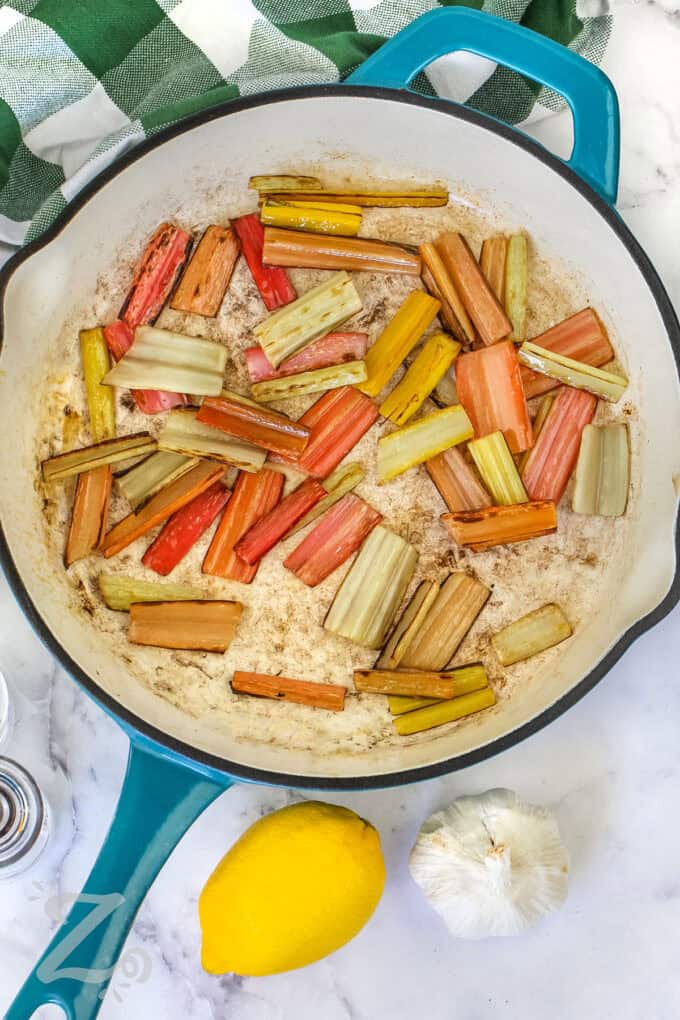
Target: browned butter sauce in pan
(281, 628)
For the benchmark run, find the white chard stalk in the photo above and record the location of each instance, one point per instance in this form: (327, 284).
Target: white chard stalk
(319, 311)
(88, 458)
(457, 606)
(574, 373)
(408, 626)
(602, 477)
(320, 379)
(144, 480)
(531, 634)
(121, 592)
(371, 593)
(162, 360)
(182, 433)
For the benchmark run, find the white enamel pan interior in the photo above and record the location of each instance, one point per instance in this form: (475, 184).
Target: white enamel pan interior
(384, 135)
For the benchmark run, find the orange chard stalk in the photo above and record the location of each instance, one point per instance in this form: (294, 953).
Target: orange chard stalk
(492, 264)
(282, 688)
(479, 300)
(192, 626)
(338, 420)
(438, 281)
(165, 503)
(490, 389)
(90, 514)
(204, 283)
(254, 496)
(457, 481)
(553, 458)
(582, 337)
(255, 424)
(501, 525)
(293, 248)
(446, 313)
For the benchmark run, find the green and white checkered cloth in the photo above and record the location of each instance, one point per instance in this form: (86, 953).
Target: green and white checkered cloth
(82, 81)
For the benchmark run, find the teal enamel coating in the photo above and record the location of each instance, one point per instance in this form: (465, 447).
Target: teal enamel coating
(162, 796)
(164, 792)
(587, 90)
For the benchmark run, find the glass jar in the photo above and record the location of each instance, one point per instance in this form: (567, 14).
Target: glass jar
(5, 711)
(23, 819)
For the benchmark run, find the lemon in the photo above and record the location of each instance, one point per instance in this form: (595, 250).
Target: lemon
(297, 885)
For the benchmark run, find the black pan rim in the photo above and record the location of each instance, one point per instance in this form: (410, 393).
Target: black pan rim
(138, 729)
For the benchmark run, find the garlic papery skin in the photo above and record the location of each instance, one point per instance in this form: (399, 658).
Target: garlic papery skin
(491, 864)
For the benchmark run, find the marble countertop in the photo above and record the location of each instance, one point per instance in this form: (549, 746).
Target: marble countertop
(610, 768)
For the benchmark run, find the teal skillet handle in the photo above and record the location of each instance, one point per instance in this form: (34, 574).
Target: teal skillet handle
(160, 799)
(588, 92)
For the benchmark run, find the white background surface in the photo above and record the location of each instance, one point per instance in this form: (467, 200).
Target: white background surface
(610, 768)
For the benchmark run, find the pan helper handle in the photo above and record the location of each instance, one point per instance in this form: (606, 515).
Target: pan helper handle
(160, 798)
(587, 90)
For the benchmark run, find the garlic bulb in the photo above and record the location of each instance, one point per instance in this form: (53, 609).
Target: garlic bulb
(491, 864)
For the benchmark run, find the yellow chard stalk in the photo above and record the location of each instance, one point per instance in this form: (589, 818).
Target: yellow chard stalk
(516, 277)
(101, 399)
(468, 679)
(421, 378)
(283, 182)
(397, 340)
(418, 442)
(421, 683)
(457, 606)
(498, 470)
(409, 625)
(444, 712)
(344, 220)
(120, 593)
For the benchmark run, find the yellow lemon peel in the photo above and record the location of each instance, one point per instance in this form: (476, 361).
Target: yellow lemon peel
(297, 885)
